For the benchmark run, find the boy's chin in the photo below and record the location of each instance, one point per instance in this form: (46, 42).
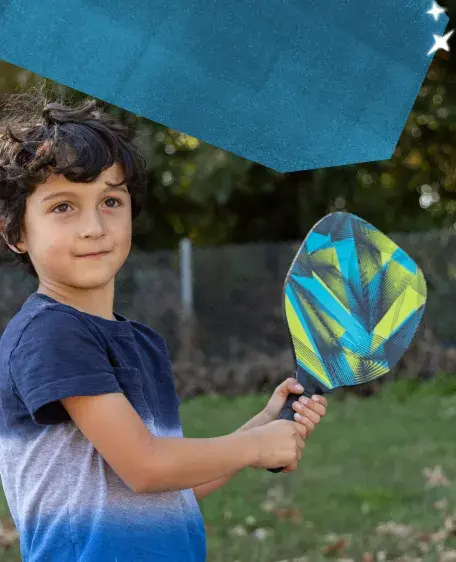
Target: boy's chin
(92, 284)
(91, 278)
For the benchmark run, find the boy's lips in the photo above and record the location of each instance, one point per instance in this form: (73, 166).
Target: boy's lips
(93, 255)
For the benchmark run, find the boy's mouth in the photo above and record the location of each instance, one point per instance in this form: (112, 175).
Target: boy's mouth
(94, 255)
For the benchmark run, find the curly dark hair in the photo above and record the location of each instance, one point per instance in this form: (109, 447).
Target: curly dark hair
(39, 136)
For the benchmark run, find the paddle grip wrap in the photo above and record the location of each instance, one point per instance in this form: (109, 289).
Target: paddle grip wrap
(287, 413)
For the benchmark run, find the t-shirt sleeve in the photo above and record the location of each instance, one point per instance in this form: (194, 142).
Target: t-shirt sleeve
(57, 357)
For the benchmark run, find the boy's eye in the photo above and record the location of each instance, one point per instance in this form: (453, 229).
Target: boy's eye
(112, 199)
(60, 207)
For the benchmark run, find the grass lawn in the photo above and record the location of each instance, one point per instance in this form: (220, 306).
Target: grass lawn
(376, 483)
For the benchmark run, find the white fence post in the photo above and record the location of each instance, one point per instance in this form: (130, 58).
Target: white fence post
(187, 318)
(186, 276)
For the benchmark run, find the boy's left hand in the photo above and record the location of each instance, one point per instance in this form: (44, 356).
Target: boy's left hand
(310, 411)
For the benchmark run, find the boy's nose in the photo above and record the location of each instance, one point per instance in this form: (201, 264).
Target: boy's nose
(92, 225)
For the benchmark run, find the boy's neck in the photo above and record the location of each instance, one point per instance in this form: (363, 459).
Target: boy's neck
(96, 303)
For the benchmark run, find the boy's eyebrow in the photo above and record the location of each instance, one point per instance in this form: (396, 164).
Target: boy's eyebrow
(71, 193)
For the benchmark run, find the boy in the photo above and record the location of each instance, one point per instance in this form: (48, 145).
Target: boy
(93, 461)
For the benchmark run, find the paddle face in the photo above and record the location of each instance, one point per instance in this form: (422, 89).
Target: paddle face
(353, 301)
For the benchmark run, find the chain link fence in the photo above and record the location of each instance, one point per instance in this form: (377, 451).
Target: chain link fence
(237, 298)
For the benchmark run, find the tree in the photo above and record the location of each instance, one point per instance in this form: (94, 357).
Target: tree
(215, 197)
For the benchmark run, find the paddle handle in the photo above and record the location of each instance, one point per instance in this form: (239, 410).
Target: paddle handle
(287, 413)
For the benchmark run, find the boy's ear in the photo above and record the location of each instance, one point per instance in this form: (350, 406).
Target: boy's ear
(16, 248)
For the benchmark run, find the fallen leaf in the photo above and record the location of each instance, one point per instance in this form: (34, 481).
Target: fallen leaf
(450, 525)
(335, 547)
(440, 504)
(435, 477)
(289, 514)
(268, 506)
(8, 532)
(395, 529)
(440, 536)
(424, 547)
(238, 531)
(250, 520)
(262, 534)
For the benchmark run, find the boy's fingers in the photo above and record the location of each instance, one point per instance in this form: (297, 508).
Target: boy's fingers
(293, 386)
(319, 399)
(302, 428)
(309, 425)
(305, 425)
(306, 412)
(320, 409)
(289, 386)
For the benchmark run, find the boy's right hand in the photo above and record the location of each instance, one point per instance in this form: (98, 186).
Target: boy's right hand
(278, 443)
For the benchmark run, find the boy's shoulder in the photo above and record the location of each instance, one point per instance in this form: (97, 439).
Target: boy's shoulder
(40, 312)
(43, 322)
(41, 315)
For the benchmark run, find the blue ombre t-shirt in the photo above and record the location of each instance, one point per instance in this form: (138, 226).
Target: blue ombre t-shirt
(66, 501)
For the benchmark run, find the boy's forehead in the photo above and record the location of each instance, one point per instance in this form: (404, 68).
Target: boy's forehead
(54, 182)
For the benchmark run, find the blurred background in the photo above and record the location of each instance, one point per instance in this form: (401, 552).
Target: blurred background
(210, 253)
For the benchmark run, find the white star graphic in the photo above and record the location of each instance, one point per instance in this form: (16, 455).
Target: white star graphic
(441, 42)
(436, 11)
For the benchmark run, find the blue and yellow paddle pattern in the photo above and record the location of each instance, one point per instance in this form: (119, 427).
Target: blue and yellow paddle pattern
(353, 301)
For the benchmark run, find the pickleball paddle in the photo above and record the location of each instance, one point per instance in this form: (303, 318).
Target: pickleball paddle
(353, 301)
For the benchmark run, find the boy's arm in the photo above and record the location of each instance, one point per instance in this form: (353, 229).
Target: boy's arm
(147, 463)
(310, 416)
(206, 489)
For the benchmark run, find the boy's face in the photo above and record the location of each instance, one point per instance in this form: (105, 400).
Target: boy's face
(60, 228)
